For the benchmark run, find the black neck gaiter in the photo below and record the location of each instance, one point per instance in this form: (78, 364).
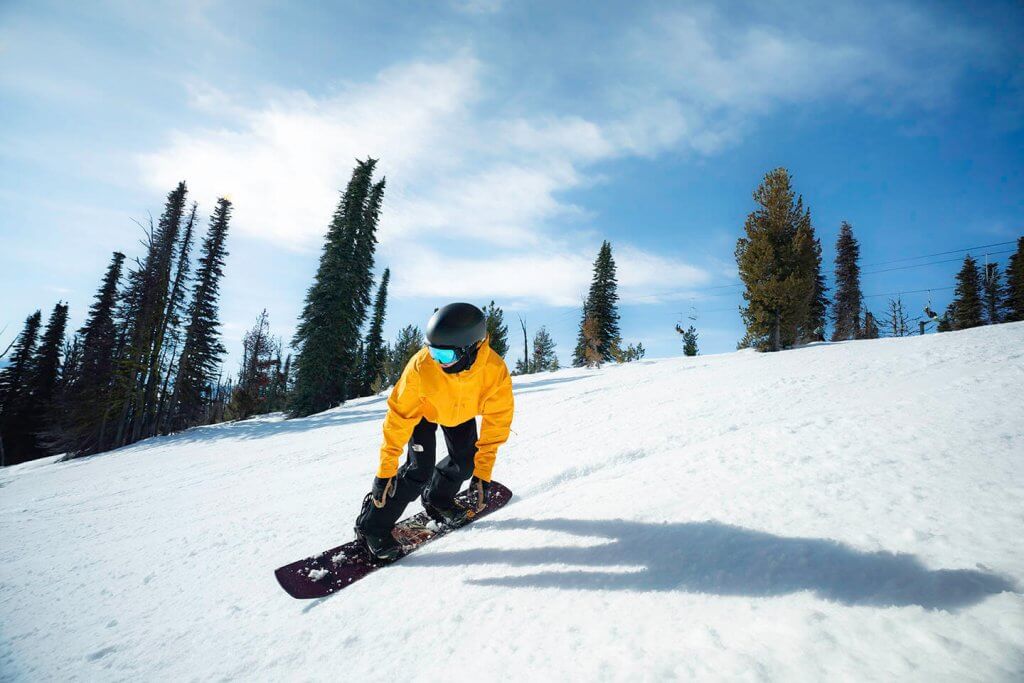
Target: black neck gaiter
(463, 363)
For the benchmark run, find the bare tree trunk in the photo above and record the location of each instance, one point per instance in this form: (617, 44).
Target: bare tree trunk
(526, 349)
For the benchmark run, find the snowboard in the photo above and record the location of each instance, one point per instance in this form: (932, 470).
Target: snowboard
(334, 569)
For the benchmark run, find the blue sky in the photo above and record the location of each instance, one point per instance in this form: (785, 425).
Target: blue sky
(515, 137)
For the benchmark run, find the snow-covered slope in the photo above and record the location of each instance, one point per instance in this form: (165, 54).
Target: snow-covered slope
(839, 511)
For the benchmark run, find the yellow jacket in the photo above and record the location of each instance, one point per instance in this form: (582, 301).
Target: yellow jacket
(425, 390)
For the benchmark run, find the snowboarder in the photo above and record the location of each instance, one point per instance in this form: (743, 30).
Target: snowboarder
(448, 382)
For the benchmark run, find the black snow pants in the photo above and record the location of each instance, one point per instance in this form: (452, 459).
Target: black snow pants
(418, 474)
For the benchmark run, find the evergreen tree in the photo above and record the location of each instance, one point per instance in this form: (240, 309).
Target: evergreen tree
(85, 428)
(202, 348)
(407, 345)
(140, 366)
(947, 322)
(846, 310)
(870, 328)
(45, 378)
(327, 337)
(374, 351)
(601, 307)
(579, 354)
(15, 394)
(629, 354)
(968, 310)
(497, 331)
(776, 262)
(285, 386)
(689, 340)
(260, 356)
(814, 328)
(591, 333)
(1014, 299)
(994, 294)
(544, 357)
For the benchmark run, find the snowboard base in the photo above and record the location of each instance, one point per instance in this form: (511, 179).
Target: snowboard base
(334, 569)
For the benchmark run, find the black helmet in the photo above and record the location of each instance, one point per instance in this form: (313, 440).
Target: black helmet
(456, 326)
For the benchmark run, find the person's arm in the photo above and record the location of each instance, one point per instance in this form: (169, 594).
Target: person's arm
(404, 412)
(494, 427)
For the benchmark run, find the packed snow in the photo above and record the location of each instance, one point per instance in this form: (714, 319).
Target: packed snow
(839, 511)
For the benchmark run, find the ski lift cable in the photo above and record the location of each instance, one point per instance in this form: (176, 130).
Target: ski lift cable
(930, 263)
(913, 291)
(941, 253)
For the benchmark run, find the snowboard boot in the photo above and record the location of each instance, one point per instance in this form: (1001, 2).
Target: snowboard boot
(383, 547)
(447, 515)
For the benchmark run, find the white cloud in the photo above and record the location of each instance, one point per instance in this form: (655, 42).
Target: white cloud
(488, 188)
(476, 199)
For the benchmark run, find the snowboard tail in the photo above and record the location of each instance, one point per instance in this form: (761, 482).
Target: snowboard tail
(334, 569)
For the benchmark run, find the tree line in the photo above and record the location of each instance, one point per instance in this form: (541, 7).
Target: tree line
(143, 363)
(147, 360)
(786, 300)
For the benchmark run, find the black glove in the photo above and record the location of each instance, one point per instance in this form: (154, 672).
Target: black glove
(479, 493)
(382, 490)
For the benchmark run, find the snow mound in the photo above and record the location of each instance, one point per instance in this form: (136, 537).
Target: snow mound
(838, 511)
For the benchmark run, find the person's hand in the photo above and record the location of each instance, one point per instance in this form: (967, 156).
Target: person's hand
(382, 490)
(479, 493)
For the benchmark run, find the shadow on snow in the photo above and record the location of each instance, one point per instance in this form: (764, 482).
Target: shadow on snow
(709, 557)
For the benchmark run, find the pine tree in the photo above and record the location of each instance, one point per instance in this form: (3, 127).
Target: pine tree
(776, 264)
(601, 307)
(947, 322)
(592, 343)
(85, 428)
(846, 310)
(407, 345)
(968, 310)
(869, 330)
(579, 353)
(629, 354)
(689, 340)
(327, 337)
(15, 393)
(45, 378)
(1014, 299)
(260, 355)
(202, 348)
(140, 365)
(544, 357)
(814, 329)
(497, 331)
(374, 352)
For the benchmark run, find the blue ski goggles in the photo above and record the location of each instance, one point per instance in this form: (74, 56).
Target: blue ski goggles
(443, 356)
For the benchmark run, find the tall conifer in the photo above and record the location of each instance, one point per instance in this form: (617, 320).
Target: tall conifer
(45, 380)
(968, 310)
(846, 308)
(327, 337)
(1014, 301)
(374, 351)
(602, 310)
(15, 393)
(497, 330)
(776, 264)
(202, 347)
(86, 426)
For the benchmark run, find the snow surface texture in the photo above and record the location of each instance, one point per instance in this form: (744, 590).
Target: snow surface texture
(841, 511)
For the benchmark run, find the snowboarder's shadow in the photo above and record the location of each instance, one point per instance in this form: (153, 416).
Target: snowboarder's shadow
(709, 557)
